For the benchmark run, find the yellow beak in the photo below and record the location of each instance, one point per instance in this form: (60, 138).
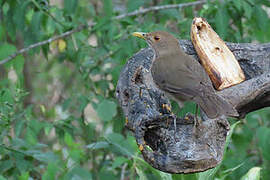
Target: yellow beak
(139, 34)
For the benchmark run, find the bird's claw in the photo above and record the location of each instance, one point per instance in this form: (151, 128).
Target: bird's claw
(166, 108)
(189, 117)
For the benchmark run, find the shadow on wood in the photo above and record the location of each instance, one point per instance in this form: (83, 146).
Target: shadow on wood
(183, 149)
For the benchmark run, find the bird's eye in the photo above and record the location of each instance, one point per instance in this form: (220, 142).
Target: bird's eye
(156, 38)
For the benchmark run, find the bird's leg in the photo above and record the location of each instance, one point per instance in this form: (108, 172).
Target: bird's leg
(166, 109)
(174, 123)
(196, 116)
(197, 121)
(188, 116)
(180, 105)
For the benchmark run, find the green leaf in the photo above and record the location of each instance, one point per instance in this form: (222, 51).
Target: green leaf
(31, 136)
(83, 102)
(21, 162)
(98, 145)
(106, 110)
(29, 15)
(76, 154)
(261, 18)
(20, 143)
(222, 22)
(19, 14)
(133, 5)
(78, 173)
(120, 144)
(48, 128)
(171, 13)
(50, 27)
(45, 156)
(19, 127)
(6, 98)
(229, 136)
(263, 134)
(17, 63)
(118, 162)
(248, 10)
(108, 8)
(35, 26)
(141, 174)
(5, 165)
(52, 169)
(5, 8)
(252, 174)
(2, 178)
(165, 176)
(6, 50)
(266, 2)
(238, 4)
(24, 176)
(229, 171)
(68, 139)
(91, 9)
(70, 6)
(2, 32)
(105, 173)
(116, 137)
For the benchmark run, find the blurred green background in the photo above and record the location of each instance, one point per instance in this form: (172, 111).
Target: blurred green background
(59, 118)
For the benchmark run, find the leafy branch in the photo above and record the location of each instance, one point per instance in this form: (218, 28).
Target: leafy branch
(91, 24)
(47, 13)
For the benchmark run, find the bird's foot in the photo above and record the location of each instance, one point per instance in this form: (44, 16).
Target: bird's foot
(224, 122)
(189, 117)
(166, 108)
(197, 122)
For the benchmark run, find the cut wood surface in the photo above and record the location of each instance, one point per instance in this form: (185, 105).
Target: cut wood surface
(218, 61)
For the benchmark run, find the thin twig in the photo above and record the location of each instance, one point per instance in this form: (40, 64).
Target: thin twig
(123, 170)
(65, 34)
(157, 8)
(13, 150)
(81, 27)
(18, 151)
(46, 12)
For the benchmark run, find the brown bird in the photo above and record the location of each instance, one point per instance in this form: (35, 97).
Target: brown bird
(182, 77)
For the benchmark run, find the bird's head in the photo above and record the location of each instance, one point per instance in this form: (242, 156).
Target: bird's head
(162, 42)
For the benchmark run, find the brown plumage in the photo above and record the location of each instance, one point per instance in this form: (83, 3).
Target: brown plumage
(182, 77)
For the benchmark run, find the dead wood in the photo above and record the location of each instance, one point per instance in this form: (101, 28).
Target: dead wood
(187, 150)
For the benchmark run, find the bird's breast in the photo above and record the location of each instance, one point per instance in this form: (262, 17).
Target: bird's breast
(159, 73)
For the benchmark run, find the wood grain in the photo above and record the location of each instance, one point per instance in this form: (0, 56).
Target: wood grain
(218, 61)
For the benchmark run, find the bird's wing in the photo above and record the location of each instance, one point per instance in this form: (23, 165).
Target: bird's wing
(179, 93)
(195, 69)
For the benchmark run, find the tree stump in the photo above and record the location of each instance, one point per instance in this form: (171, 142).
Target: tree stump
(182, 149)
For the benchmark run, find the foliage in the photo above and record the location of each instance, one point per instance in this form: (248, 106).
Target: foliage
(59, 118)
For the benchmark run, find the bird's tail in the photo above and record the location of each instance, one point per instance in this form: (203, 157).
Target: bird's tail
(215, 106)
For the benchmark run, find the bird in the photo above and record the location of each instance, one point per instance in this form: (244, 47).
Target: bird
(181, 77)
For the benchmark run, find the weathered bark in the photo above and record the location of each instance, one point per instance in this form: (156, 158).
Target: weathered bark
(184, 149)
